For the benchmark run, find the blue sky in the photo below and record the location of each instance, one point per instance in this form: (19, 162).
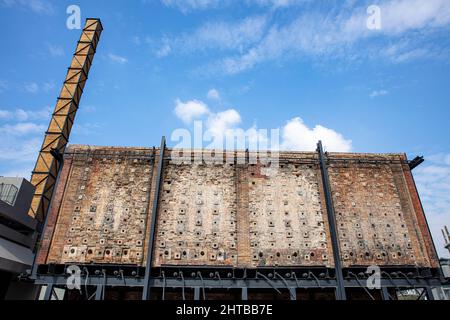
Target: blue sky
(311, 68)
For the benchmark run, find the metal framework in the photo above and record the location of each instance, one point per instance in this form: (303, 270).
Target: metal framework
(147, 287)
(204, 280)
(221, 279)
(340, 290)
(48, 163)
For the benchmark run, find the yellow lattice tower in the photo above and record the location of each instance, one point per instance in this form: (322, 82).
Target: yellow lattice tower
(57, 136)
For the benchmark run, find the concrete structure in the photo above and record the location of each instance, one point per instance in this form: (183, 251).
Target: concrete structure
(17, 237)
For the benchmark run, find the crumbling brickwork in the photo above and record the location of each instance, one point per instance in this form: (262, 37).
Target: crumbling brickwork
(197, 216)
(103, 215)
(376, 222)
(287, 225)
(235, 214)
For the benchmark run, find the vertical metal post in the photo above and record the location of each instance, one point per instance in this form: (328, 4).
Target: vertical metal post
(48, 292)
(385, 293)
(340, 289)
(196, 293)
(429, 291)
(244, 294)
(98, 292)
(293, 293)
(151, 239)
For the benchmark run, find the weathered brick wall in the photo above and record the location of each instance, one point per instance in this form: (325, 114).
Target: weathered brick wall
(197, 216)
(374, 214)
(234, 214)
(103, 214)
(287, 225)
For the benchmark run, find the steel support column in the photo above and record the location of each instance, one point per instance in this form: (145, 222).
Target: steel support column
(244, 294)
(429, 291)
(196, 293)
(151, 239)
(99, 292)
(385, 293)
(293, 293)
(48, 292)
(340, 289)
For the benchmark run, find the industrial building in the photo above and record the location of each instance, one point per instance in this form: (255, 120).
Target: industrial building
(141, 226)
(18, 235)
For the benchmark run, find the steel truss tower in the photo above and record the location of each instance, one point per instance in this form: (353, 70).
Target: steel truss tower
(56, 138)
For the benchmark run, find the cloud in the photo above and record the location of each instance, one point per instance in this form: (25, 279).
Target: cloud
(190, 5)
(190, 110)
(220, 35)
(187, 6)
(213, 94)
(86, 129)
(219, 123)
(117, 58)
(408, 32)
(298, 136)
(22, 128)
(37, 6)
(3, 86)
(164, 50)
(55, 50)
(31, 87)
(19, 150)
(25, 115)
(432, 183)
(295, 135)
(378, 93)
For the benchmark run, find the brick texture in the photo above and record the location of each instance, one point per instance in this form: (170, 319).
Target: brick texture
(233, 214)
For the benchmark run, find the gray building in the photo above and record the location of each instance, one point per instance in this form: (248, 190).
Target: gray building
(17, 238)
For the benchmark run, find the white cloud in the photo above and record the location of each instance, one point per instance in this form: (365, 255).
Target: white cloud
(55, 50)
(117, 58)
(298, 136)
(19, 150)
(5, 114)
(189, 5)
(220, 35)
(37, 6)
(378, 93)
(3, 86)
(403, 15)
(434, 189)
(295, 134)
(219, 123)
(190, 110)
(337, 33)
(32, 87)
(26, 115)
(22, 128)
(213, 94)
(86, 129)
(164, 50)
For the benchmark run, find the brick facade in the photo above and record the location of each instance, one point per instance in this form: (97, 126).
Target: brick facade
(234, 214)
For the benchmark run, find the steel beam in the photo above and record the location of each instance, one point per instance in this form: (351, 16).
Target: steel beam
(244, 294)
(99, 292)
(48, 291)
(151, 239)
(385, 293)
(196, 293)
(340, 289)
(429, 291)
